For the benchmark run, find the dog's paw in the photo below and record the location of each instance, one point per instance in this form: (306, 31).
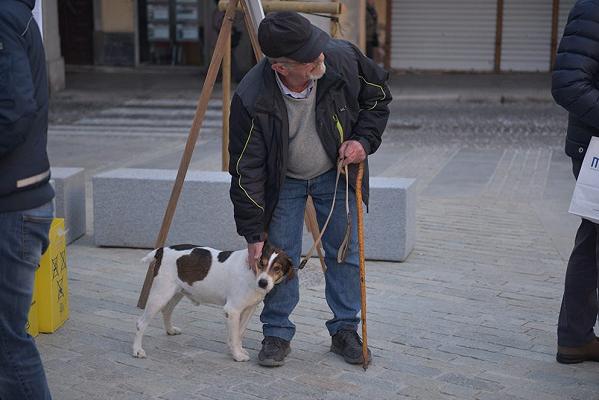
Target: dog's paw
(173, 331)
(241, 356)
(139, 353)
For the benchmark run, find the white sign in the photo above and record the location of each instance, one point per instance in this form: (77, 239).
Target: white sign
(37, 14)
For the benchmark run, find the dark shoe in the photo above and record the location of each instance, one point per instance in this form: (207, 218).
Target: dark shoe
(575, 355)
(273, 353)
(347, 343)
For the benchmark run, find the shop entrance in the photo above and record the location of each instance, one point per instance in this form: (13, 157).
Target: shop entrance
(76, 27)
(171, 32)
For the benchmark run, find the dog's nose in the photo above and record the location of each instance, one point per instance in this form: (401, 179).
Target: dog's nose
(263, 283)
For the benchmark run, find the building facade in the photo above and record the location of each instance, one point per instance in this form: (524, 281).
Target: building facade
(420, 35)
(475, 35)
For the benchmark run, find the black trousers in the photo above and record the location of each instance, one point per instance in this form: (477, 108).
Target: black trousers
(578, 313)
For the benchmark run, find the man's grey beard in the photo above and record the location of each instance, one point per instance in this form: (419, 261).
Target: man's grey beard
(322, 68)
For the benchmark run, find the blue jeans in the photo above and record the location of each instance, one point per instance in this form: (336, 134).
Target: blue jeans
(23, 239)
(285, 231)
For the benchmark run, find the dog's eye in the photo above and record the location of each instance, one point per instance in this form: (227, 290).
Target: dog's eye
(277, 268)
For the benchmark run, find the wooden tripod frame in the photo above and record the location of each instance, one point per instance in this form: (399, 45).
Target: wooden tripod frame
(222, 48)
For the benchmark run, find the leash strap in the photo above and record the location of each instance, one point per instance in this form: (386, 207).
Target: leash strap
(341, 254)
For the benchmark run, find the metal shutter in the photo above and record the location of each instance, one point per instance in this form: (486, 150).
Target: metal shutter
(526, 44)
(443, 35)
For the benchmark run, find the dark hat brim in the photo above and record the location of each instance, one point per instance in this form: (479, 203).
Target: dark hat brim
(312, 49)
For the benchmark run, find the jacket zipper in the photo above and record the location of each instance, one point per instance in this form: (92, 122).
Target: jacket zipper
(339, 127)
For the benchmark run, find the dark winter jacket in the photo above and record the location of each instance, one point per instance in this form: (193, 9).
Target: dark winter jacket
(575, 80)
(351, 103)
(24, 167)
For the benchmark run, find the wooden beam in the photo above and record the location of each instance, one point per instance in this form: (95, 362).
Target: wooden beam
(554, 32)
(299, 6)
(498, 35)
(362, 25)
(388, 32)
(226, 74)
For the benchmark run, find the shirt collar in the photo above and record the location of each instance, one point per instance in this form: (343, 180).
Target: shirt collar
(288, 92)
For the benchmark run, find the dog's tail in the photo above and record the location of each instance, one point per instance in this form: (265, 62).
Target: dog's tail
(151, 255)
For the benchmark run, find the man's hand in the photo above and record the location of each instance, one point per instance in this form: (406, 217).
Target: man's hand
(351, 152)
(254, 253)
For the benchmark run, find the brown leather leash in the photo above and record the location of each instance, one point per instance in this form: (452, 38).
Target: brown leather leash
(342, 253)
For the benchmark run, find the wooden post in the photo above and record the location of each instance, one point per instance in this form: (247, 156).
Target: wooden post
(226, 74)
(202, 106)
(388, 32)
(498, 35)
(554, 32)
(362, 25)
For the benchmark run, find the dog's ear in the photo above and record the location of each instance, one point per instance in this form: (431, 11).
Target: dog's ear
(267, 250)
(288, 267)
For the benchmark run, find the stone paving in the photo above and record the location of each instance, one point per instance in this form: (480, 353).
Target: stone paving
(470, 315)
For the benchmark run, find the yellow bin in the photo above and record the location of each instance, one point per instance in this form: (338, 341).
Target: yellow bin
(52, 288)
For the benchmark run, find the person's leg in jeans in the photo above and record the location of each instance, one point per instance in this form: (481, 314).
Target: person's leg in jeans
(342, 279)
(23, 238)
(285, 232)
(578, 312)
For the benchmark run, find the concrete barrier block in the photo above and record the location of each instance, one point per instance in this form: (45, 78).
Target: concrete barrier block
(129, 206)
(390, 224)
(69, 185)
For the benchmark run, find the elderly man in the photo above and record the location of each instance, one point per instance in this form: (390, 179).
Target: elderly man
(312, 101)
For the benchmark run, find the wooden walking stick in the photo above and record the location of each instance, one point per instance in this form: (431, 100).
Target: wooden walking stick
(362, 263)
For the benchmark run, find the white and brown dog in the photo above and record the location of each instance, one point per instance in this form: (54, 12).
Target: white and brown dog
(206, 275)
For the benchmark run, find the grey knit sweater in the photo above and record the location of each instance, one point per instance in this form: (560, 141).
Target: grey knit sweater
(307, 157)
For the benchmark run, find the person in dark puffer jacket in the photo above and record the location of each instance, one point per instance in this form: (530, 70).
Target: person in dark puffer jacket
(575, 83)
(26, 208)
